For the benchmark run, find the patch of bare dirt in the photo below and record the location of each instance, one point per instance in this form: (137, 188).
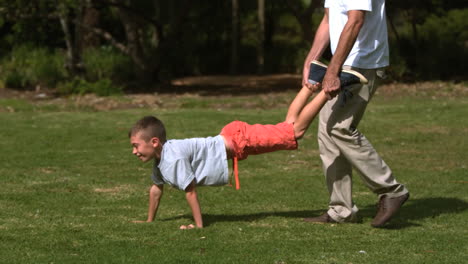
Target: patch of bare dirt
(269, 91)
(435, 89)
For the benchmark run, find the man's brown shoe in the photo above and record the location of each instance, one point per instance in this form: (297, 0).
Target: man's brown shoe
(387, 208)
(325, 218)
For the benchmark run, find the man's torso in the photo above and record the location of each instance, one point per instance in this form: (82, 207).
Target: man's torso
(370, 50)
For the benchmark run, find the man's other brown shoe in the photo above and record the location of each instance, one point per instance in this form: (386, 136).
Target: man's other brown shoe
(387, 209)
(325, 218)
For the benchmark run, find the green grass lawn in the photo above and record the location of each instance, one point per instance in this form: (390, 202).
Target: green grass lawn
(70, 187)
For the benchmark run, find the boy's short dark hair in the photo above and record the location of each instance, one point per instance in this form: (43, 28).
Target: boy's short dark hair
(151, 127)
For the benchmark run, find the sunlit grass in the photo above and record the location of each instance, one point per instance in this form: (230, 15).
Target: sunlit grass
(70, 187)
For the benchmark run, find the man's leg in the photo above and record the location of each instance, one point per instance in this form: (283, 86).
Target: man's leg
(337, 170)
(343, 146)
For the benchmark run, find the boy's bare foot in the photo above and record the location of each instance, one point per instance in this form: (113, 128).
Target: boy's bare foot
(313, 87)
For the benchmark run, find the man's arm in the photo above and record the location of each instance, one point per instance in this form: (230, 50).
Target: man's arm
(331, 81)
(192, 199)
(155, 194)
(321, 42)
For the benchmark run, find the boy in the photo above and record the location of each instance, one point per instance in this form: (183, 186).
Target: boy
(203, 161)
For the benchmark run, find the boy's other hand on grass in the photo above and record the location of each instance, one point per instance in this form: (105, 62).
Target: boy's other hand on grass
(140, 221)
(183, 227)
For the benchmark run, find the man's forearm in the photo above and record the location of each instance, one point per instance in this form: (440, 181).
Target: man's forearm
(346, 42)
(331, 83)
(321, 42)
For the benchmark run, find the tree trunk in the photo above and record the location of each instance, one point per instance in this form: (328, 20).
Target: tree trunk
(261, 37)
(234, 36)
(90, 20)
(393, 28)
(134, 45)
(157, 37)
(414, 26)
(304, 16)
(73, 62)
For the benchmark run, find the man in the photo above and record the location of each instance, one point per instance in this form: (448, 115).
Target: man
(357, 33)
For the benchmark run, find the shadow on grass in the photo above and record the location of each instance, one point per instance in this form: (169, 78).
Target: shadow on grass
(209, 219)
(413, 210)
(419, 209)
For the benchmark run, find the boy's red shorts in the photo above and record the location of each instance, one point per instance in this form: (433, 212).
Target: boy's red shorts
(245, 139)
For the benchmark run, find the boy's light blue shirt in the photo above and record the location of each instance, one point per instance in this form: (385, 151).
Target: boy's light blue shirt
(184, 160)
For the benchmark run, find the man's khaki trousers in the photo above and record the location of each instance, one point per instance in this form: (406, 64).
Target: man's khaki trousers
(343, 147)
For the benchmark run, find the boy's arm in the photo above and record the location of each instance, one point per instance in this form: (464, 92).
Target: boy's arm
(192, 199)
(155, 194)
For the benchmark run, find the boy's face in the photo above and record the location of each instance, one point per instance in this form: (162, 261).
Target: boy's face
(145, 151)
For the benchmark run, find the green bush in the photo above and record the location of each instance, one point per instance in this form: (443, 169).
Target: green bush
(445, 39)
(14, 79)
(105, 87)
(398, 66)
(102, 87)
(438, 50)
(29, 66)
(107, 63)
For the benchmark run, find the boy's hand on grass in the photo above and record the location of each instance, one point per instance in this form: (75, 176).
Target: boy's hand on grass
(183, 227)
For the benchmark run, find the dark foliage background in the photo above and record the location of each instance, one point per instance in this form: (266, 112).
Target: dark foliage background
(76, 46)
